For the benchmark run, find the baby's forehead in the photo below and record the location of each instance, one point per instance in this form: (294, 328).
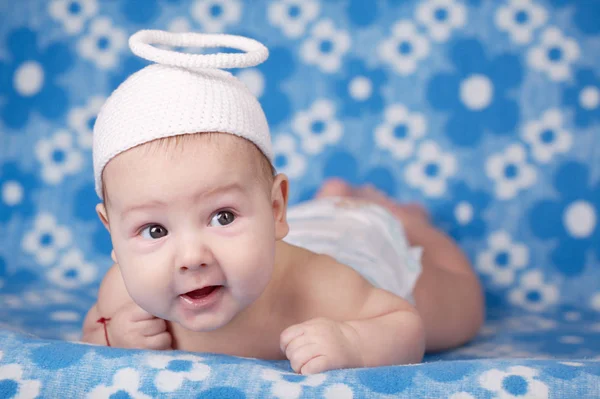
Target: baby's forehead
(197, 144)
(238, 153)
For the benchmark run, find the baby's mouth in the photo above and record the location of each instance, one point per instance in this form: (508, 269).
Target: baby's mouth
(202, 292)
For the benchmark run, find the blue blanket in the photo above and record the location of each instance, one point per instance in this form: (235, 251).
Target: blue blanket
(488, 113)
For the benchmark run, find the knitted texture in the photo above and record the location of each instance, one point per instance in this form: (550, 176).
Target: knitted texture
(164, 100)
(141, 45)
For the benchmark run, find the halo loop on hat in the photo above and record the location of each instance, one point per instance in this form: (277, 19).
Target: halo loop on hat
(141, 44)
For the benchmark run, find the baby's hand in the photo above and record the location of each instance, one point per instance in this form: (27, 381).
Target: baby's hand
(319, 345)
(133, 327)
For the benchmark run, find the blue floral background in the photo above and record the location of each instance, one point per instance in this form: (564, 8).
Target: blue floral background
(488, 113)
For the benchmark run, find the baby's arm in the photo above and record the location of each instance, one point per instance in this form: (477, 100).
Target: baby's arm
(363, 326)
(127, 325)
(388, 330)
(92, 330)
(111, 296)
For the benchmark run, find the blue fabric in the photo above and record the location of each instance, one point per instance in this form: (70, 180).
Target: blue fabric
(486, 112)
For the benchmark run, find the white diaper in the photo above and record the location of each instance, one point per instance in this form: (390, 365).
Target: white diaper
(362, 235)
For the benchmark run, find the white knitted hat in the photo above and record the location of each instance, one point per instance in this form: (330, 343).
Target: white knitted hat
(181, 94)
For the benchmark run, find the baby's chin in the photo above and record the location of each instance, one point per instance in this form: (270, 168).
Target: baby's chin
(204, 323)
(207, 320)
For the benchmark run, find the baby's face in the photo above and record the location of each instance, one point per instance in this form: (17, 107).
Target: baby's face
(194, 228)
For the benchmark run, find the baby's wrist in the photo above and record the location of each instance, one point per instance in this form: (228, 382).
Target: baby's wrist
(355, 346)
(104, 321)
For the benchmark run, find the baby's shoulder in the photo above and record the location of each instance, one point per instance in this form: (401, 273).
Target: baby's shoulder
(328, 288)
(325, 270)
(112, 294)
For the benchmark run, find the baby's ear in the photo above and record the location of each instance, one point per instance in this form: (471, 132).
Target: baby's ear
(279, 202)
(113, 256)
(101, 211)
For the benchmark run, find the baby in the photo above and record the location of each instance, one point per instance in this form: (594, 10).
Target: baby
(209, 258)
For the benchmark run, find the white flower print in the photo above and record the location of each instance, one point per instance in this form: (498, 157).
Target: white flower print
(494, 350)
(12, 374)
(82, 120)
(461, 395)
(176, 369)
(73, 13)
(338, 391)
(441, 17)
(29, 79)
(503, 258)
(317, 127)
(573, 364)
(431, 169)
(464, 212)
(11, 192)
(289, 385)
(292, 16)
(126, 379)
(400, 131)
(547, 136)
(72, 271)
(103, 44)
(58, 157)
(510, 171)
(180, 25)
(529, 323)
(520, 18)
(477, 92)
(254, 79)
(216, 15)
(65, 315)
(46, 239)
(517, 382)
(325, 47)
(554, 55)
(36, 298)
(533, 294)
(404, 49)
(287, 159)
(589, 97)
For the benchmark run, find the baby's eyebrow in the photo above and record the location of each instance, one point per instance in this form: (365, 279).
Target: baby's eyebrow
(145, 205)
(236, 186)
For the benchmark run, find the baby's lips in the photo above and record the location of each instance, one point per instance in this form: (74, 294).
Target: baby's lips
(201, 292)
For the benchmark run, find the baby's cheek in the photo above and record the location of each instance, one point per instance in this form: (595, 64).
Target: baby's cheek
(147, 289)
(251, 268)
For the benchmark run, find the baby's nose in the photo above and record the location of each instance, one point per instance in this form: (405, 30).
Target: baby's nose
(194, 256)
(192, 267)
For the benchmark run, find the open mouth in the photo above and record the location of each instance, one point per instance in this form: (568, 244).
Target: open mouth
(202, 297)
(202, 292)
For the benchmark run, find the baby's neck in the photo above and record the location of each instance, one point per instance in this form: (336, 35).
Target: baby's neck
(266, 306)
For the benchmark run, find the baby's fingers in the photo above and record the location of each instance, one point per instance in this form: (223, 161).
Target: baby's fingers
(161, 341)
(139, 314)
(297, 343)
(289, 334)
(316, 365)
(152, 327)
(303, 355)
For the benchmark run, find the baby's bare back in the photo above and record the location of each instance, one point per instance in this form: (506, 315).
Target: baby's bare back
(312, 286)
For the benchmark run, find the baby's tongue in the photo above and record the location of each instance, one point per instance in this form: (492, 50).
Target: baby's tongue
(202, 292)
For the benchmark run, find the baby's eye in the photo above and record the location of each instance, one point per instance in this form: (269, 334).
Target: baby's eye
(222, 218)
(154, 232)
